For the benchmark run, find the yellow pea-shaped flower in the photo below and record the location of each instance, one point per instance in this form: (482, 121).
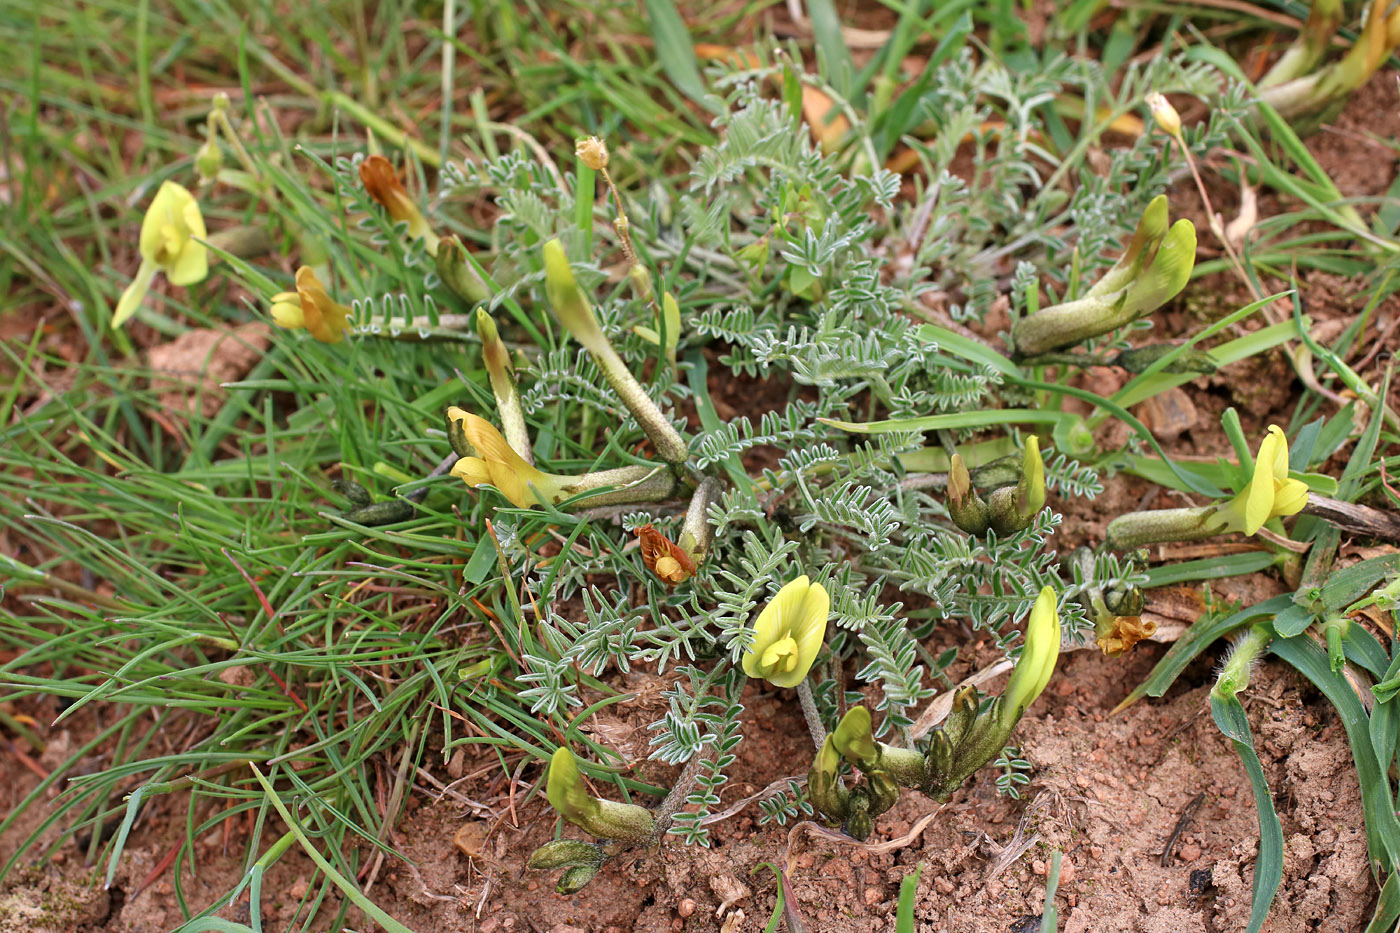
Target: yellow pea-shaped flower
(788, 634)
(169, 244)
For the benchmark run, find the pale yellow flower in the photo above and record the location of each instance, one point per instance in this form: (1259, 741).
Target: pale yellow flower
(1270, 494)
(496, 464)
(788, 634)
(1164, 113)
(170, 234)
(1038, 657)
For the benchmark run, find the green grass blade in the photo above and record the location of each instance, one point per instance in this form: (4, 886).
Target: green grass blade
(1268, 867)
(834, 55)
(1387, 913)
(348, 887)
(1050, 917)
(1377, 800)
(908, 894)
(674, 48)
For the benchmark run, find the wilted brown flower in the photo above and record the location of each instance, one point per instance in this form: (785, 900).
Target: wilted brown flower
(1126, 632)
(382, 183)
(664, 558)
(593, 151)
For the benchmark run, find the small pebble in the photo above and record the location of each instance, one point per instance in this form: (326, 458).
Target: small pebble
(1189, 852)
(686, 907)
(456, 765)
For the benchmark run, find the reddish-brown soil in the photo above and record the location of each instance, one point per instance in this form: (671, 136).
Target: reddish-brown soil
(1107, 792)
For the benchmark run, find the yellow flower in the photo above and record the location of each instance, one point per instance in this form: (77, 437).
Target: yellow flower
(382, 184)
(788, 634)
(1271, 493)
(310, 307)
(168, 244)
(1037, 661)
(565, 789)
(570, 304)
(854, 739)
(498, 465)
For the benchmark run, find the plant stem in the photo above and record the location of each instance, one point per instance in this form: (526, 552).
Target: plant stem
(670, 806)
(809, 710)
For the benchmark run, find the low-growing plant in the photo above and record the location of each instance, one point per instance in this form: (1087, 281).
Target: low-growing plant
(477, 472)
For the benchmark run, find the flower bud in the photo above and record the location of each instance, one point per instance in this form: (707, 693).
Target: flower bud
(1190, 360)
(883, 791)
(671, 319)
(592, 152)
(208, 160)
(1013, 509)
(854, 740)
(496, 358)
(1030, 491)
(577, 878)
(859, 823)
(606, 819)
(640, 278)
(1164, 113)
(965, 507)
(567, 299)
(457, 273)
(564, 853)
(1037, 661)
(824, 787)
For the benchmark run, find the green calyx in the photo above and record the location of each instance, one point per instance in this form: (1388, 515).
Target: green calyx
(1008, 509)
(457, 273)
(605, 819)
(1153, 269)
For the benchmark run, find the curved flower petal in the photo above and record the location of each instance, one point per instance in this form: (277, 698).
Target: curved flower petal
(192, 265)
(1259, 498)
(286, 311)
(472, 471)
(1273, 450)
(788, 634)
(1037, 662)
(564, 787)
(1290, 497)
(325, 319)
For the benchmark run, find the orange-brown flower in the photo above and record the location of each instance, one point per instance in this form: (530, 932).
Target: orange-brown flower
(310, 307)
(1126, 632)
(382, 182)
(663, 557)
